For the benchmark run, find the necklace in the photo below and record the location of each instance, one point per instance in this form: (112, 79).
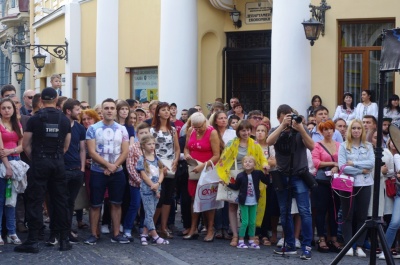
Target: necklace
(7, 127)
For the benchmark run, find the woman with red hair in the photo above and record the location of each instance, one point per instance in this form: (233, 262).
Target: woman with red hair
(325, 159)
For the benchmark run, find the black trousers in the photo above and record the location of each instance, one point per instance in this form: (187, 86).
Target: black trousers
(47, 174)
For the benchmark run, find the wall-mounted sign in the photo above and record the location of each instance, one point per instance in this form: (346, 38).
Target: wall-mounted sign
(145, 84)
(258, 12)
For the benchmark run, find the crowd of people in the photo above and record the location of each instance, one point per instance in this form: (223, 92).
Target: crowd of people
(130, 159)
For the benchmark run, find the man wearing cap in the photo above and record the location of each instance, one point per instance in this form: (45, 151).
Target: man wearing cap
(140, 115)
(46, 139)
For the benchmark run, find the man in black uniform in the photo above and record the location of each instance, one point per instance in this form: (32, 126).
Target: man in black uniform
(46, 139)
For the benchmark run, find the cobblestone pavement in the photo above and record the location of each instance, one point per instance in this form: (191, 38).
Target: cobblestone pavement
(178, 252)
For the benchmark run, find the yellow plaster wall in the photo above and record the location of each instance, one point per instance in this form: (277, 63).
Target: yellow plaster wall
(212, 25)
(139, 38)
(325, 50)
(88, 37)
(52, 33)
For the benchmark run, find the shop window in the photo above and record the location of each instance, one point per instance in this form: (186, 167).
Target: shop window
(12, 3)
(144, 83)
(359, 56)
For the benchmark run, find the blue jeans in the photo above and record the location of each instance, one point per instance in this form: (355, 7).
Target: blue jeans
(395, 222)
(8, 211)
(133, 209)
(149, 204)
(300, 192)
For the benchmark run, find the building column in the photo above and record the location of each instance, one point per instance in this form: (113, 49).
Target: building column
(178, 53)
(27, 77)
(107, 49)
(73, 37)
(291, 57)
(15, 59)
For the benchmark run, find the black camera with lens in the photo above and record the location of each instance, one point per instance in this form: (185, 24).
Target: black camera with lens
(296, 118)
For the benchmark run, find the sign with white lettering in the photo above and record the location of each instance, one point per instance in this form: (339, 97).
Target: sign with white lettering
(145, 84)
(258, 12)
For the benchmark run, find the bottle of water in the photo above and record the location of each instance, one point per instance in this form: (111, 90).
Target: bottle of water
(8, 188)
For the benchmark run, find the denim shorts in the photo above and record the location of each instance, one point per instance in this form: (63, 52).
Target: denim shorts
(99, 182)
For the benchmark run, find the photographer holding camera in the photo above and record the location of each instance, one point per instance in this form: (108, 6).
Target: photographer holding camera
(291, 140)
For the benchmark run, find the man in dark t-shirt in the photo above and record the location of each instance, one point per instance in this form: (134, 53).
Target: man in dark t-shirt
(289, 137)
(75, 157)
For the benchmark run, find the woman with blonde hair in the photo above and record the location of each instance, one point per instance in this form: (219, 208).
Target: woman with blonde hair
(356, 158)
(202, 144)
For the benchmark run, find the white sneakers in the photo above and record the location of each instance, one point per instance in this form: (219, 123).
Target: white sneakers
(280, 243)
(350, 252)
(298, 244)
(360, 253)
(105, 229)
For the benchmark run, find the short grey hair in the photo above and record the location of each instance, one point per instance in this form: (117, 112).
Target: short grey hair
(197, 118)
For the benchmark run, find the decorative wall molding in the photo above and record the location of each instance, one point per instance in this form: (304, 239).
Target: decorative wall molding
(225, 5)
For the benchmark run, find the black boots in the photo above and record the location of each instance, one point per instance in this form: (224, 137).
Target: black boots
(28, 247)
(64, 241)
(65, 245)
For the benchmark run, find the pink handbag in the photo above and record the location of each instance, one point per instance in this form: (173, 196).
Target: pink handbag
(342, 182)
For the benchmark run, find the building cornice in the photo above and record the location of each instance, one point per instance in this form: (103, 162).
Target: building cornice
(50, 17)
(225, 5)
(14, 18)
(84, 1)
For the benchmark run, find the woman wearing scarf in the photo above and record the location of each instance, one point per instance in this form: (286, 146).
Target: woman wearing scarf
(236, 149)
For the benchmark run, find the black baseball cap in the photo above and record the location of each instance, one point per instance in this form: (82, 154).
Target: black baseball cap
(48, 93)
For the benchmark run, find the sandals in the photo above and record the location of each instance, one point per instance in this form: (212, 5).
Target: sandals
(254, 246)
(266, 241)
(226, 235)
(157, 242)
(273, 239)
(257, 240)
(334, 246)
(219, 235)
(234, 241)
(143, 240)
(13, 239)
(166, 234)
(322, 249)
(242, 246)
(83, 226)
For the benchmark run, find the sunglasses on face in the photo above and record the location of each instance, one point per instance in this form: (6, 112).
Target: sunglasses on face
(85, 107)
(30, 97)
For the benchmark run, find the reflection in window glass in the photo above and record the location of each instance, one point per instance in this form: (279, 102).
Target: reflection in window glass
(361, 35)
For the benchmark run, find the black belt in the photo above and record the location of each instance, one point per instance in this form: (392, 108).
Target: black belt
(52, 156)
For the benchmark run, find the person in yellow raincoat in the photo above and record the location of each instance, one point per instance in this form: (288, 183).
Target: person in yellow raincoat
(236, 149)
